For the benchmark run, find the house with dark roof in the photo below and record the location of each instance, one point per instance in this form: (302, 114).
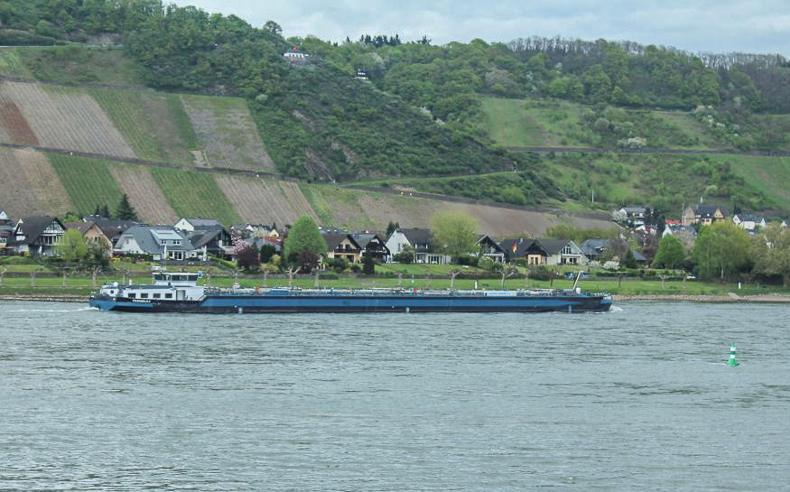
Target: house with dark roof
(342, 245)
(99, 229)
(6, 229)
(703, 214)
(422, 242)
(488, 248)
(207, 234)
(748, 222)
(528, 249)
(373, 245)
(593, 248)
(160, 242)
(563, 252)
(633, 215)
(37, 236)
(191, 224)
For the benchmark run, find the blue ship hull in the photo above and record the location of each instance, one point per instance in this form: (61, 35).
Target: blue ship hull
(333, 303)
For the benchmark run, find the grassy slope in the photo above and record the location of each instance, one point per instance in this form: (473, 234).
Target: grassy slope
(769, 175)
(79, 65)
(88, 182)
(194, 194)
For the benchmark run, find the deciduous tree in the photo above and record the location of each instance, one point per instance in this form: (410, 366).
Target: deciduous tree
(721, 250)
(670, 254)
(771, 252)
(304, 236)
(454, 233)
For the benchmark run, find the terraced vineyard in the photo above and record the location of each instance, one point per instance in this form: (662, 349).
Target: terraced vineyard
(145, 119)
(263, 201)
(88, 182)
(29, 185)
(144, 194)
(195, 194)
(227, 133)
(65, 119)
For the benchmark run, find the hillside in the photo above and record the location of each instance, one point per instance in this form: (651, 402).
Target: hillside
(179, 90)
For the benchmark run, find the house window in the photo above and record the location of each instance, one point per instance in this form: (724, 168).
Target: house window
(566, 250)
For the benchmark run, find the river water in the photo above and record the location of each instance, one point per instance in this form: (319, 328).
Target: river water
(635, 399)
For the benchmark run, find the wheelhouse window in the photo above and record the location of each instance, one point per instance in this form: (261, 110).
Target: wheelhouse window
(132, 295)
(168, 296)
(156, 296)
(144, 295)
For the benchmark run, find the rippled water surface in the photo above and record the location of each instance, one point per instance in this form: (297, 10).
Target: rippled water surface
(636, 399)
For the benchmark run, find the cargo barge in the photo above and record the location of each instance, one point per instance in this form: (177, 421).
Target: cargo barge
(179, 292)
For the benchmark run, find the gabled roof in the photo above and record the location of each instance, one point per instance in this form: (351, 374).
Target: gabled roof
(417, 235)
(114, 228)
(33, 227)
(148, 238)
(594, 246)
(332, 240)
(364, 238)
(201, 238)
(488, 240)
(632, 209)
(519, 247)
(554, 246)
(80, 226)
(3, 215)
(706, 211)
(749, 218)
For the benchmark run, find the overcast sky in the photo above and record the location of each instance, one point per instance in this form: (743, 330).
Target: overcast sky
(754, 26)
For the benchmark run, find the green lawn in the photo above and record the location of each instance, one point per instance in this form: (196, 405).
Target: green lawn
(195, 194)
(88, 182)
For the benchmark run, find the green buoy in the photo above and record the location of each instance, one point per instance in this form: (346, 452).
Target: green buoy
(733, 362)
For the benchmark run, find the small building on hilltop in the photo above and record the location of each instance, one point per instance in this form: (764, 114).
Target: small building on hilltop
(296, 57)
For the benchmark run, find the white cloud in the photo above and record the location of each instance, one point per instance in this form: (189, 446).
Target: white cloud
(693, 25)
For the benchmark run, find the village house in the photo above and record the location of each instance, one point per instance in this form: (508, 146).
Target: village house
(703, 214)
(6, 229)
(488, 248)
(342, 245)
(594, 248)
(207, 234)
(373, 245)
(632, 215)
(676, 230)
(748, 222)
(246, 231)
(37, 236)
(422, 242)
(159, 242)
(530, 250)
(563, 252)
(99, 229)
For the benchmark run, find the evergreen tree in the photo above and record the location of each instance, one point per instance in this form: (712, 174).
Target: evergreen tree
(125, 210)
(105, 212)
